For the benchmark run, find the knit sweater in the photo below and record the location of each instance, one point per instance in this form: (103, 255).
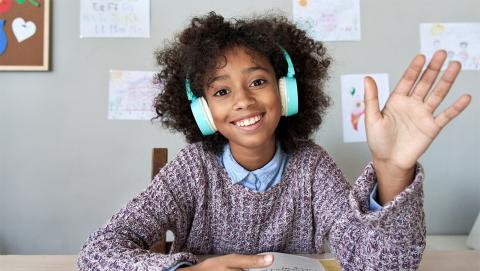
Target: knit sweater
(194, 197)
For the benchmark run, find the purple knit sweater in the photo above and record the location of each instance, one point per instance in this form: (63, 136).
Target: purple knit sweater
(194, 197)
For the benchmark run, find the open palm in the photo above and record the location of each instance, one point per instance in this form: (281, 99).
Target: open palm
(403, 130)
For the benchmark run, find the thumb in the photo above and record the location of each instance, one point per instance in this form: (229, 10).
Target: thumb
(372, 108)
(251, 261)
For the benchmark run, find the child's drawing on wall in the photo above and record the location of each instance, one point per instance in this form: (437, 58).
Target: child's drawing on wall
(460, 40)
(353, 105)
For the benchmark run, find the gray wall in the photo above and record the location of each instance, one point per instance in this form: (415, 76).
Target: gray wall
(65, 169)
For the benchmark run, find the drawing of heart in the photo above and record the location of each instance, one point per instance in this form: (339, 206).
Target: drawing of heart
(23, 30)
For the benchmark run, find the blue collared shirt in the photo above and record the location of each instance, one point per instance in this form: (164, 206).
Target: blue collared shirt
(259, 180)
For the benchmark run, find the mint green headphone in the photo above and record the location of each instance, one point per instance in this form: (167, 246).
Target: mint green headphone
(287, 86)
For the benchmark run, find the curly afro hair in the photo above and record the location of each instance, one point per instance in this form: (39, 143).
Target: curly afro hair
(194, 52)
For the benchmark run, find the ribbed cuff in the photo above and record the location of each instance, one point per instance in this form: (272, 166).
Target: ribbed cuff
(411, 196)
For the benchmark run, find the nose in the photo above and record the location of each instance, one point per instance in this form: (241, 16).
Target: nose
(243, 99)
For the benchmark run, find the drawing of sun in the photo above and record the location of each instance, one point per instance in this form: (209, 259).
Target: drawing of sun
(303, 3)
(437, 29)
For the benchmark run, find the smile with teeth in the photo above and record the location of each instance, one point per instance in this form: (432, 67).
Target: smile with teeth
(249, 121)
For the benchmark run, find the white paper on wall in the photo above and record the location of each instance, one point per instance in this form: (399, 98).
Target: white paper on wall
(115, 18)
(328, 20)
(353, 106)
(131, 95)
(460, 40)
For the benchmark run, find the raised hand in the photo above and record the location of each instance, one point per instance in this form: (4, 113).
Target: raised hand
(399, 134)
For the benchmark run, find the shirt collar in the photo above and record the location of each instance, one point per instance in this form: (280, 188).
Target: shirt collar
(239, 173)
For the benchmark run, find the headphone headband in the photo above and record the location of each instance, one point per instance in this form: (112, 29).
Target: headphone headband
(191, 97)
(291, 70)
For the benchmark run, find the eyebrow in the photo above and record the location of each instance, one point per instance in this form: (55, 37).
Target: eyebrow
(244, 71)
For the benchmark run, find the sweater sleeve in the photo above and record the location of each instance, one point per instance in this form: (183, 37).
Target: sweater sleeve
(392, 238)
(122, 244)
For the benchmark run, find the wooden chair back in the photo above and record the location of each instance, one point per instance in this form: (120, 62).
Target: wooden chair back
(159, 160)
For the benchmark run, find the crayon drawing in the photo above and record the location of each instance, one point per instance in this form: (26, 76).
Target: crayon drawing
(328, 20)
(131, 95)
(460, 40)
(353, 106)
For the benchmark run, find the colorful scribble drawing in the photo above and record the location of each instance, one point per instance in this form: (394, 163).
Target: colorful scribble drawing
(357, 112)
(353, 104)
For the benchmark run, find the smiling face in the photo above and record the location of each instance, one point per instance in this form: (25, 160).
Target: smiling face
(243, 97)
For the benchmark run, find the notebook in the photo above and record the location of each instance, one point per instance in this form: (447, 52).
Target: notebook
(289, 262)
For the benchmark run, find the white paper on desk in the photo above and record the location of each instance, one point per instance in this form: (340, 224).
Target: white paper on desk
(131, 95)
(460, 40)
(328, 20)
(289, 262)
(353, 106)
(114, 19)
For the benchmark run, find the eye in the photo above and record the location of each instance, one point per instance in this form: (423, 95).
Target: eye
(221, 92)
(257, 82)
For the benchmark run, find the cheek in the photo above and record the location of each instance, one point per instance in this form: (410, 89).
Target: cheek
(276, 106)
(215, 114)
(219, 112)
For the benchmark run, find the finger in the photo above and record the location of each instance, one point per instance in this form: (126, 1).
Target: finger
(410, 75)
(249, 261)
(429, 75)
(372, 108)
(442, 88)
(451, 112)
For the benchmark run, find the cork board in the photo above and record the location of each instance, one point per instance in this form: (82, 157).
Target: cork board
(24, 35)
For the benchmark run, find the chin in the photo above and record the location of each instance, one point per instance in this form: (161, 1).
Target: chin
(254, 143)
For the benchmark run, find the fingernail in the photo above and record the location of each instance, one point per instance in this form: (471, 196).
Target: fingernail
(268, 259)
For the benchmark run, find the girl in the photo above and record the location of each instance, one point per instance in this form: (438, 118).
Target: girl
(252, 181)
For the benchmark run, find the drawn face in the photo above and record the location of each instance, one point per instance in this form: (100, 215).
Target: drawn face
(243, 97)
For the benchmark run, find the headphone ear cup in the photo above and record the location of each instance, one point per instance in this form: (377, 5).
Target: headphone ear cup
(203, 116)
(282, 89)
(287, 87)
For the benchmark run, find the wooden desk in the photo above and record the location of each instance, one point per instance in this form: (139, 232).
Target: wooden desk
(432, 260)
(450, 260)
(38, 262)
